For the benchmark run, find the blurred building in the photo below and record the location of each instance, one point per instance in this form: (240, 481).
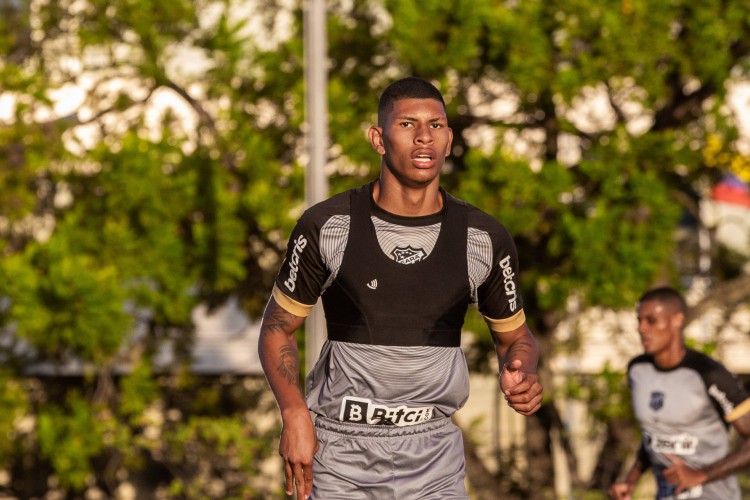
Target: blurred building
(226, 342)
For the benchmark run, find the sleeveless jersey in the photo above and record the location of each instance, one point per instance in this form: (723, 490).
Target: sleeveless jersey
(686, 411)
(393, 355)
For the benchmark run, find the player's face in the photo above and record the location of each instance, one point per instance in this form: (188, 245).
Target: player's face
(414, 140)
(658, 326)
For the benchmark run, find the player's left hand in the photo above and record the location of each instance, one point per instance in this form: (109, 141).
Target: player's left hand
(521, 388)
(681, 476)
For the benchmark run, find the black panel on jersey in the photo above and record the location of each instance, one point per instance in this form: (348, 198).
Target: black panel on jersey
(376, 300)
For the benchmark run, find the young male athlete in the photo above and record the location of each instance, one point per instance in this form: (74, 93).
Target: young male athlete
(684, 402)
(397, 262)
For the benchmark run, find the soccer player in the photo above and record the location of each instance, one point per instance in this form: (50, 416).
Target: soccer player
(685, 402)
(397, 262)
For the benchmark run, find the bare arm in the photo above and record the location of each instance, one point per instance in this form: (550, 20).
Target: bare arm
(277, 348)
(683, 477)
(738, 459)
(518, 355)
(623, 490)
(279, 357)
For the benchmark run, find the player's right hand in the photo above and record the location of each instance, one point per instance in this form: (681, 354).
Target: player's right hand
(298, 446)
(522, 389)
(621, 491)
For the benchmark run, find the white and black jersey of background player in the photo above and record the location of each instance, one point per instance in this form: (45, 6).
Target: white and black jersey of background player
(685, 411)
(386, 369)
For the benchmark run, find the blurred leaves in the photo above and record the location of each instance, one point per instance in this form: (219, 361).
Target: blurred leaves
(13, 407)
(152, 159)
(70, 440)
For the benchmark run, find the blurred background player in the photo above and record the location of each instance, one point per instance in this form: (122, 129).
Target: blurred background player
(685, 402)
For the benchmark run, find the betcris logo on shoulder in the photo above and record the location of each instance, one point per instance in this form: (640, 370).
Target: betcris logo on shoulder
(299, 245)
(509, 284)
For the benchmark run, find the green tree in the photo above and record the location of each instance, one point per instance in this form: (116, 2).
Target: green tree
(119, 216)
(588, 128)
(152, 160)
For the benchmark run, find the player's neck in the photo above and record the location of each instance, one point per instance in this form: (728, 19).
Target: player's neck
(671, 357)
(399, 199)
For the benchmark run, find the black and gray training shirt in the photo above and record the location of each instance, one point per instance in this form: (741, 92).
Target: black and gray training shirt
(395, 290)
(685, 411)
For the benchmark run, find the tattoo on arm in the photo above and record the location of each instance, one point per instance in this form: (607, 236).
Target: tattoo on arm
(281, 325)
(288, 364)
(278, 320)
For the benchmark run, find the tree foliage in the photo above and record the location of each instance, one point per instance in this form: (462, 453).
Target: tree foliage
(153, 158)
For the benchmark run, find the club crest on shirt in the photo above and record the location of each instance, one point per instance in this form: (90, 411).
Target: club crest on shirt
(657, 400)
(408, 255)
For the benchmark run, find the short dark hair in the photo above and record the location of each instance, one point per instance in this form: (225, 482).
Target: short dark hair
(406, 88)
(667, 296)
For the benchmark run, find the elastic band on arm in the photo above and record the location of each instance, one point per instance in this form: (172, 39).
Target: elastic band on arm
(738, 411)
(506, 324)
(291, 305)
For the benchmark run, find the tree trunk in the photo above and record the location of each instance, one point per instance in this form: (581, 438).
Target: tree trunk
(483, 484)
(539, 452)
(621, 442)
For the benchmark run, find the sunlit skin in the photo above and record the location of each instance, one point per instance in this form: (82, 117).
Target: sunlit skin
(279, 356)
(660, 328)
(413, 140)
(517, 352)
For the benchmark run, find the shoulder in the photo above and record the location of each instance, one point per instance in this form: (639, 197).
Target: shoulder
(337, 204)
(640, 369)
(719, 381)
(721, 385)
(703, 364)
(316, 216)
(479, 220)
(640, 360)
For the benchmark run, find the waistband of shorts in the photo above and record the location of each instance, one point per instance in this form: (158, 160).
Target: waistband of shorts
(366, 430)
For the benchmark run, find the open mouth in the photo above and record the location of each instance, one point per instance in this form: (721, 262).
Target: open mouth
(423, 158)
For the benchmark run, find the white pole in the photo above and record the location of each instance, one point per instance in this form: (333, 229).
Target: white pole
(316, 111)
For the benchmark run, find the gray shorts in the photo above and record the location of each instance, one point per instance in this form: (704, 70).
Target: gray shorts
(378, 462)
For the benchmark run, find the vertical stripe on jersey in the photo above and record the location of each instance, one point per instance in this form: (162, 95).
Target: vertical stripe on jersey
(479, 252)
(333, 237)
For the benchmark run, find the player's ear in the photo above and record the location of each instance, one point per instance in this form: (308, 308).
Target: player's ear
(375, 135)
(678, 320)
